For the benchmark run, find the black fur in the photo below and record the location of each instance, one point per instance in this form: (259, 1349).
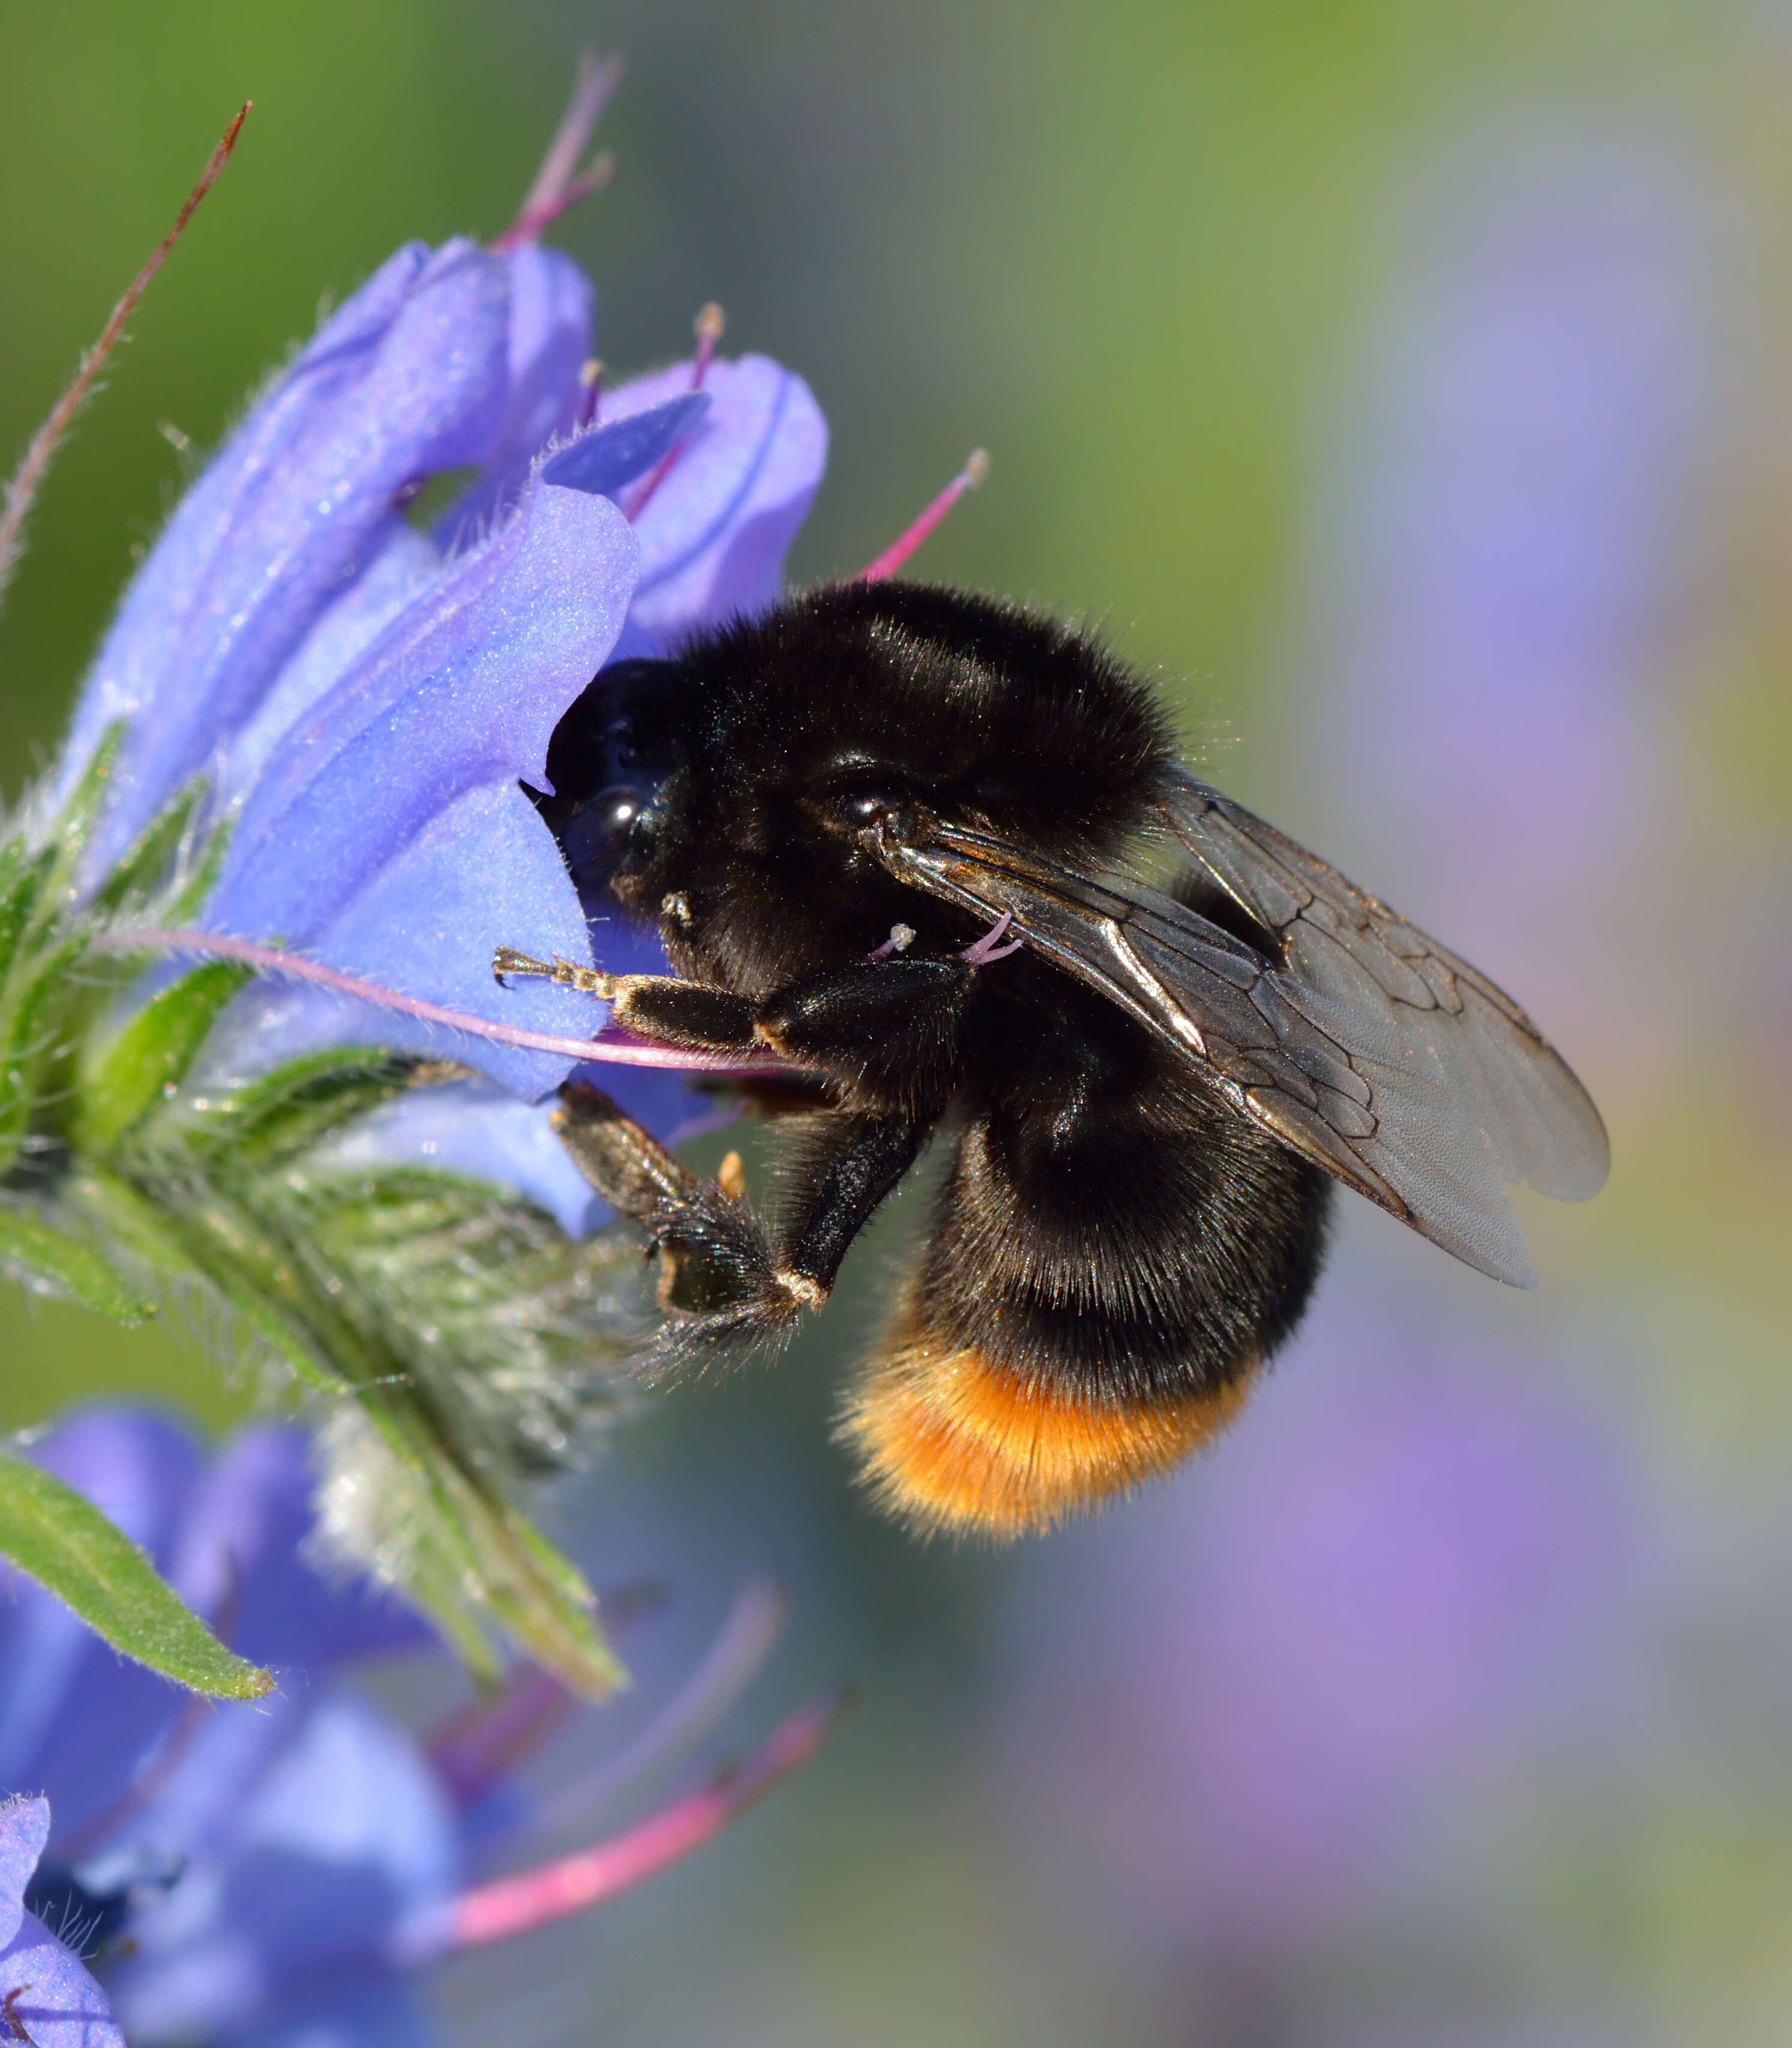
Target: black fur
(1108, 1223)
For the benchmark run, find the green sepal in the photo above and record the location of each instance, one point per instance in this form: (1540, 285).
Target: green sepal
(150, 1057)
(66, 839)
(147, 864)
(56, 1264)
(60, 1538)
(274, 1116)
(21, 880)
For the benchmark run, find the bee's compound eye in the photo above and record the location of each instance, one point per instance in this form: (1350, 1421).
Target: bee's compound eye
(594, 836)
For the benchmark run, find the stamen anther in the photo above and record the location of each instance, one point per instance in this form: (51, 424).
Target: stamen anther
(901, 938)
(590, 390)
(882, 566)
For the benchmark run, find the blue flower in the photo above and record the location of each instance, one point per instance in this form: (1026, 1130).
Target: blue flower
(244, 1875)
(363, 698)
(46, 1995)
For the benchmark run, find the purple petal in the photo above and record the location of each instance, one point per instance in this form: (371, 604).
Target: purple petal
(380, 2015)
(347, 1832)
(25, 1827)
(239, 1560)
(482, 873)
(409, 377)
(404, 569)
(608, 456)
(48, 1994)
(462, 690)
(550, 339)
(713, 534)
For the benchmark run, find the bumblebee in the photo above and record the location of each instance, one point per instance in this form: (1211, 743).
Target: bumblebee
(937, 855)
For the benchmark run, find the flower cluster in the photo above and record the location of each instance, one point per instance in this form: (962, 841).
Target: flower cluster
(254, 1872)
(309, 727)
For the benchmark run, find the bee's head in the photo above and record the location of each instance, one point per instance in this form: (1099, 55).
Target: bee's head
(613, 761)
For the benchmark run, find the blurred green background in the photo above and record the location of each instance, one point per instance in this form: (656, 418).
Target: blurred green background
(1178, 267)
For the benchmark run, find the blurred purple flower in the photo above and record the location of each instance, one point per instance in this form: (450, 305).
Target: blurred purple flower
(283, 1870)
(365, 698)
(1503, 548)
(1406, 1570)
(47, 1996)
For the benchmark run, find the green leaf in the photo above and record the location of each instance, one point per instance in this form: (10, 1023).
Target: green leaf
(63, 1541)
(62, 1266)
(148, 1058)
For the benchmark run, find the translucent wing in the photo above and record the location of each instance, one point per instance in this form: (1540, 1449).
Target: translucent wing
(1384, 1060)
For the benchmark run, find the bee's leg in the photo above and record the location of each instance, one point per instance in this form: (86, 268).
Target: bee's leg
(841, 1167)
(886, 1033)
(713, 1251)
(655, 1005)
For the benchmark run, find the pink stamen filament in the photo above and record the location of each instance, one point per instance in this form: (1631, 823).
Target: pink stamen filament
(709, 324)
(22, 486)
(559, 183)
(513, 1906)
(881, 567)
(620, 1050)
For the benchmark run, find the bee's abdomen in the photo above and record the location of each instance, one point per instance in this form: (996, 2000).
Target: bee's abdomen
(1105, 1272)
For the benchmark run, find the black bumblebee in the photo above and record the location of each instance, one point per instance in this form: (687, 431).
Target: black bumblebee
(903, 838)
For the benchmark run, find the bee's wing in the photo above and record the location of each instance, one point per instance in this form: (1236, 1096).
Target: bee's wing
(1422, 1096)
(1344, 945)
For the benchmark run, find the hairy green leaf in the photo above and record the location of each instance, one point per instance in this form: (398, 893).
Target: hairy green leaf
(59, 1265)
(61, 1540)
(148, 1059)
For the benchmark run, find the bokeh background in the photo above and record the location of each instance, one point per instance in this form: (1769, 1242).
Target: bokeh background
(1408, 387)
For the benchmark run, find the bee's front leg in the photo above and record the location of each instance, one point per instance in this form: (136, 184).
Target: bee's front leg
(653, 1005)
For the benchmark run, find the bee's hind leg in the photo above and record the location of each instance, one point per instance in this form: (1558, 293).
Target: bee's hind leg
(714, 1254)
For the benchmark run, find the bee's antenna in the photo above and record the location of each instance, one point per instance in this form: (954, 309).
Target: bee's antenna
(976, 468)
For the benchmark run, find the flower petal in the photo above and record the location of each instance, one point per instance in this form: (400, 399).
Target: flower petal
(411, 377)
(471, 1128)
(483, 872)
(25, 1827)
(714, 533)
(609, 456)
(48, 1994)
(462, 689)
(345, 1834)
(550, 340)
